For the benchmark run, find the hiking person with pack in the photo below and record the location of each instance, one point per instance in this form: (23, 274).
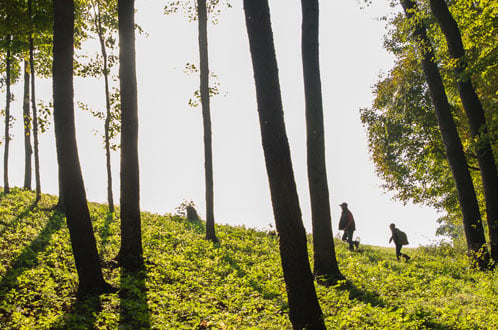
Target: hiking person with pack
(347, 224)
(399, 237)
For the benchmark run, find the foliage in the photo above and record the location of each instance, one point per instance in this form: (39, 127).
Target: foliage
(189, 9)
(192, 283)
(214, 90)
(114, 119)
(102, 24)
(404, 138)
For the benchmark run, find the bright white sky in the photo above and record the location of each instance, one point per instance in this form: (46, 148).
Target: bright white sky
(171, 150)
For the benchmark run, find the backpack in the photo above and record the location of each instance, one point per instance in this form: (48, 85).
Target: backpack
(403, 239)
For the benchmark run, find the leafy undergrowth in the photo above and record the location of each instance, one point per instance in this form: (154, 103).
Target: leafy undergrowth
(189, 283)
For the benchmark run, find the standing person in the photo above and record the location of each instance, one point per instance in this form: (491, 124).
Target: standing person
(400, 239)
(347, 224)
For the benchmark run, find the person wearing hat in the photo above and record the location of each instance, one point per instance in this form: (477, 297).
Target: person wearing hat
(347, 224)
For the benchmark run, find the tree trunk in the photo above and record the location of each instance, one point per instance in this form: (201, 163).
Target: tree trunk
(28, 150)
(105, 71)
(77, 214)
(6, 187)
(475, 113)
(206, 118)
(33, 106)
(60, 202)
(304, 308)
(35, 120)
(325, 262)
(472, 223)
(131, 253)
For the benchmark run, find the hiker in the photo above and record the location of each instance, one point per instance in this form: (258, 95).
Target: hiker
(347, 224)
(399, 237)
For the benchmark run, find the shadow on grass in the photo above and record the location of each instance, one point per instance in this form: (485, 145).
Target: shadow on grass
(376, 301)
(17, 219)
(134, 309)
(28, 257)
(364, 296)
(83, 313)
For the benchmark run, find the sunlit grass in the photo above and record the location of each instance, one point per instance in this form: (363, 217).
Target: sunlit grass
(191, 283)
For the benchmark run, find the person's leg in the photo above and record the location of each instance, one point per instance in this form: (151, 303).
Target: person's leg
(403, 255)
(398, 250)
(345, 236)
(350, 239)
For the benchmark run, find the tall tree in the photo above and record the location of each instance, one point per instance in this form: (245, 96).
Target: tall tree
(28, 149)
(78, 217)
(8, 61)
(473, 228)
(325, 262)
(206, 119)
(35, 118)
(131, 253)
(101, 26)
(475, 113)
(305, 311)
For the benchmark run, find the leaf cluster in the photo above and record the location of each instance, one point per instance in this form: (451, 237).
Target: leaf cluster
(404, 138)
(188, 8)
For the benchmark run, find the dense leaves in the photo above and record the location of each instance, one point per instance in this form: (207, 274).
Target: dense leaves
(404, 140)
(192, 283)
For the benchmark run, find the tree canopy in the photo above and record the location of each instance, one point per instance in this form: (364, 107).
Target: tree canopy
(402, 130)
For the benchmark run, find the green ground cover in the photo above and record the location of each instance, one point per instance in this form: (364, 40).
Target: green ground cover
(189, 283)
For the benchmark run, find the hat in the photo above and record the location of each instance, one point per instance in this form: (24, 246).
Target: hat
(344, 204)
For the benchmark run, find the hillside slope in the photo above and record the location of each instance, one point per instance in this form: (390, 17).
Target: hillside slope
(190, 283)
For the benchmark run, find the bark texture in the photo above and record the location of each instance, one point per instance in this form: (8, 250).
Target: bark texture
(131, 253)
(305, 311)
(325, 262)
(78, 217)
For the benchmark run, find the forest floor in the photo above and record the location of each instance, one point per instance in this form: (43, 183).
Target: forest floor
(190, 283)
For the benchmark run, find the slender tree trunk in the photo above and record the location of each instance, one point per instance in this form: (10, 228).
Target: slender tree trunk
(454, 150)
(475, 113)
(78, 217)
(131, 253)
(28, 150)
(110, 198)
(305, 311)
(206, 118)
(33, 106)
(325, 262)
(35, 120)
(6, 187)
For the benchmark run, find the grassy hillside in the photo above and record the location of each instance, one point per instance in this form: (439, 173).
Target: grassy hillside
(192, 284)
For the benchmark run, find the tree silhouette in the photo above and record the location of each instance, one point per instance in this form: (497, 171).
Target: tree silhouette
(475, 113)
(206, 119)
(305, 310)
(77, 214)
(28, 149)
(325, 262)
(454, 150)
(131, 252)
